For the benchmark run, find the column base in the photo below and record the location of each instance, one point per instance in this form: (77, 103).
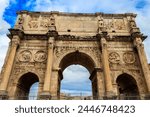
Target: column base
(110, 96)
(55, 98)
(3, 95)
(45, 96)
(147, 97)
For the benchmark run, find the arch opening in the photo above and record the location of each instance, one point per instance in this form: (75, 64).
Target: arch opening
(33, 93)
(127, 87)
(76, 82)
(26, 86)
(77, 58)
(85, 62)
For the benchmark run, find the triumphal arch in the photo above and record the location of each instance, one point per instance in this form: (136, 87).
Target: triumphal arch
(43, 44)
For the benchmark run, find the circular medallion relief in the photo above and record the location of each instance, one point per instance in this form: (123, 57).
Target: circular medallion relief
(114, 57)
(40, 56)
(128, 57)
(25, 56)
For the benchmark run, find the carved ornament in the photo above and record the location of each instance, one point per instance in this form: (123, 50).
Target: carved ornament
(119, 24)
(47, 21)
(25, 56)
(40, 56)
(114, 24)
(114, 57)
(33, 22)
(128, 57)
(28, 56)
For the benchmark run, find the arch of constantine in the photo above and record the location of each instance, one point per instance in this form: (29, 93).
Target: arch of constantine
(43, 44)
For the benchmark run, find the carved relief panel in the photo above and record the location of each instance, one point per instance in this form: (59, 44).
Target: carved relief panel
(129, 57)
(29, 60)
(37, 22)
(114, 57)
(33, 22)
(47, 21)
(122, 60)
(32, 56)
(113, 24)
(40, 56)
(109, 24)
(25, 56)
(119, 24)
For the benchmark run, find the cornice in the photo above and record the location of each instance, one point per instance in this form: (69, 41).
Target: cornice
(77, 14)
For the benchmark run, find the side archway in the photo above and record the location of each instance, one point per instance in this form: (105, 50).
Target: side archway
(127, 87)
(24, 84)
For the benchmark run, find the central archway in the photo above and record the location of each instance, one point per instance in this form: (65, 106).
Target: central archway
(76, 83)
(79, 58)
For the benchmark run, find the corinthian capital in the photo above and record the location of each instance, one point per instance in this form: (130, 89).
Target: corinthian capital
(138, 41)
(15, 40)
(103, 42)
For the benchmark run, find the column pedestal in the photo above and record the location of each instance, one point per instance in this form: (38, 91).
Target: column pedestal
(3, 95)
(45, 96)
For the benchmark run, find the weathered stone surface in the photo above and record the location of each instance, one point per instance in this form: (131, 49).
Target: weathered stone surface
(43, 44)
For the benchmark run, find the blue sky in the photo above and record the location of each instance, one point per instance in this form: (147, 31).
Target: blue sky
(8, 9)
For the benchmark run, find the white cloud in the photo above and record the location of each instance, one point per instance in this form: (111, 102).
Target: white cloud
(75, 73)
(3, 30)
(76, 78)
(4, 41)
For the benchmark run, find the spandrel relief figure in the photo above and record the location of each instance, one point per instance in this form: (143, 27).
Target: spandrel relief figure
(114, 57)
(25, 56)
(40, 56)
(33, 22)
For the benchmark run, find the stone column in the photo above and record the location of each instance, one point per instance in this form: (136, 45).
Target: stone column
(100, 83)
(48, 74)
(55, 85)
(144, 64)
(9, 64)
(107, 77)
